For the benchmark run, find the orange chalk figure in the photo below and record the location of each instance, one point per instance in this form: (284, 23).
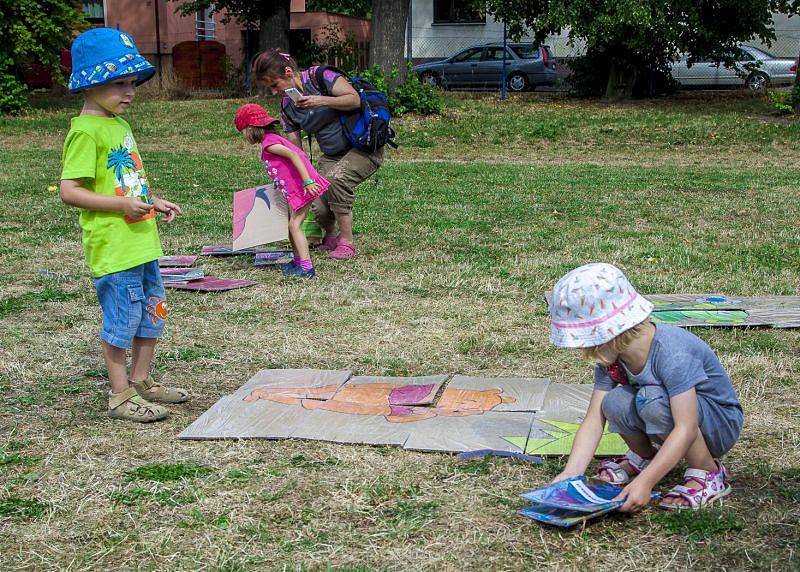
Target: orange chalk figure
(397, 403)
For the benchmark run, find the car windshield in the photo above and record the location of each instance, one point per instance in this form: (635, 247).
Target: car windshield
(527, 52)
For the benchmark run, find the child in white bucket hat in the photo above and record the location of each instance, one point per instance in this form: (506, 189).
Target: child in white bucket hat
(660, 387)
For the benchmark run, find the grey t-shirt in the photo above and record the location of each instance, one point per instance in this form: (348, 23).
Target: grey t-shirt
(323, 122)
(679, 361)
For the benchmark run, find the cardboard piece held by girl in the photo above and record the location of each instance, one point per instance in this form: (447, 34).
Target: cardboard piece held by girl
(260, 216)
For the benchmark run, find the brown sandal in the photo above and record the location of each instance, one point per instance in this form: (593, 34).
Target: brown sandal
(148, 389)
(130, 406)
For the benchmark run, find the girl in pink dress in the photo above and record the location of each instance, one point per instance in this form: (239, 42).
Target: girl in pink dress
(291, 173)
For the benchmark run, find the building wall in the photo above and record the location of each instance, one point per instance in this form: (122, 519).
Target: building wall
(138, 18)
(324, 24)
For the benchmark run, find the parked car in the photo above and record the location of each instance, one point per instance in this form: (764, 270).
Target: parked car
(753, 68)
(527, 65)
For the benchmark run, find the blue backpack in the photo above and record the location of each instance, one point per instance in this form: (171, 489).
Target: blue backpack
(367, 128)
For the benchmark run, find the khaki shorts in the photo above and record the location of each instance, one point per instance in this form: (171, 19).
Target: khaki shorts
(345, 173)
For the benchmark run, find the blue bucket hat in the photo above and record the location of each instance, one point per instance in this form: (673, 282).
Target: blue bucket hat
(101, 55)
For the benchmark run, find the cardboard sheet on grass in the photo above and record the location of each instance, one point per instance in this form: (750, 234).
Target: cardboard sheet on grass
(181, 274)
(210, 284)
(176, 261)
(718, 310)
(423, 413)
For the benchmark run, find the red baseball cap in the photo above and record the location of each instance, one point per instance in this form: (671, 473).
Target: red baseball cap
(252, 114)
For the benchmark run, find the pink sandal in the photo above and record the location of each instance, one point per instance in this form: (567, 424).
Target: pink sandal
(330, 242)
(343, 252)
(619, 474)
(715, 488)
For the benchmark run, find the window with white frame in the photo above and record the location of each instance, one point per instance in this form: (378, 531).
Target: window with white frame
(205, 28)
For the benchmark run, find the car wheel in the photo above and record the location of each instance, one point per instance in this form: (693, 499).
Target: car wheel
(757, 81)
(518, 82)
(431, 78)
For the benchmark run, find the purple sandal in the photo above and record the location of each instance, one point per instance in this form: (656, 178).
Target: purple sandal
(620, 476)
(714, 488)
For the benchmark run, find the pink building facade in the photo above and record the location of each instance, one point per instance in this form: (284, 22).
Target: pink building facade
(157, 28)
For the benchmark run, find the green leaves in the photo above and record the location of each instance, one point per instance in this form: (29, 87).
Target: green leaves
(33, 31)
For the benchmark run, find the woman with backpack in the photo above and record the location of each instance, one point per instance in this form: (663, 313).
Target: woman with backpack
(313, 101)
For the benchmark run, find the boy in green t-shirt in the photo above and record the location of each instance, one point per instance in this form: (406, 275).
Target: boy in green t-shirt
(103, 176)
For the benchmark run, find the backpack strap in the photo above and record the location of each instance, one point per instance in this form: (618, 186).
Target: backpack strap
(318, 79)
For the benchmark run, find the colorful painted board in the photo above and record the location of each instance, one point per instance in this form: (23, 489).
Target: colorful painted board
(716, 310)
(521, 394)
(176, 261)
(719, 310)
(273, 258)
(171, 275)
(260, 216)
(572, 501)
(210, 284)
(243, 416)
(422, 413)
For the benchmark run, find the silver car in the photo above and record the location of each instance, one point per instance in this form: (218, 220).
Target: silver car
(753, 68)
(527, 66)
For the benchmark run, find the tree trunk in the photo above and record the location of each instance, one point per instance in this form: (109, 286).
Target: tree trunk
(274, 24)
(621, 80)
(388, 25)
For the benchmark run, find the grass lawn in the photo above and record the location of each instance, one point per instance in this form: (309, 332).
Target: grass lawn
(469, 222)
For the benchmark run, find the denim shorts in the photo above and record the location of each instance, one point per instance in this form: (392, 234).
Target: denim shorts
(134, 304)
(647, 410)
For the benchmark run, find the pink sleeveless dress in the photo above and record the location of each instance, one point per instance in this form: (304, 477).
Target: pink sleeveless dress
(284, 175)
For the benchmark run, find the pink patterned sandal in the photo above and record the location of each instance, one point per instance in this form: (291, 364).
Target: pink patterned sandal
(343, 252)
(714, 489)
(619, 474)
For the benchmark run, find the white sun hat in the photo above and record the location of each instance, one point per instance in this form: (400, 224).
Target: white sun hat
(592, 305)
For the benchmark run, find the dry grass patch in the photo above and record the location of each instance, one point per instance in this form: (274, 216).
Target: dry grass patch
(455, 257)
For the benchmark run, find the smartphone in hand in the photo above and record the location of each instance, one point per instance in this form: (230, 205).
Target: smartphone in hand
(293, 94)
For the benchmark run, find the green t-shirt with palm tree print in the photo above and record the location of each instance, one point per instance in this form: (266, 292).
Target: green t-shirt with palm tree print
(102, 154)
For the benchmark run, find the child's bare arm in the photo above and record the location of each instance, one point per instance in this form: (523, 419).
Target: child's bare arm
(684, 433)
(677, 443)
(587, 438)
(73, 194)
(283, 151)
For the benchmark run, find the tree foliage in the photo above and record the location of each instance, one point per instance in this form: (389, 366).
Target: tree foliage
(356, 8)
(628, 40)
(33, 31)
